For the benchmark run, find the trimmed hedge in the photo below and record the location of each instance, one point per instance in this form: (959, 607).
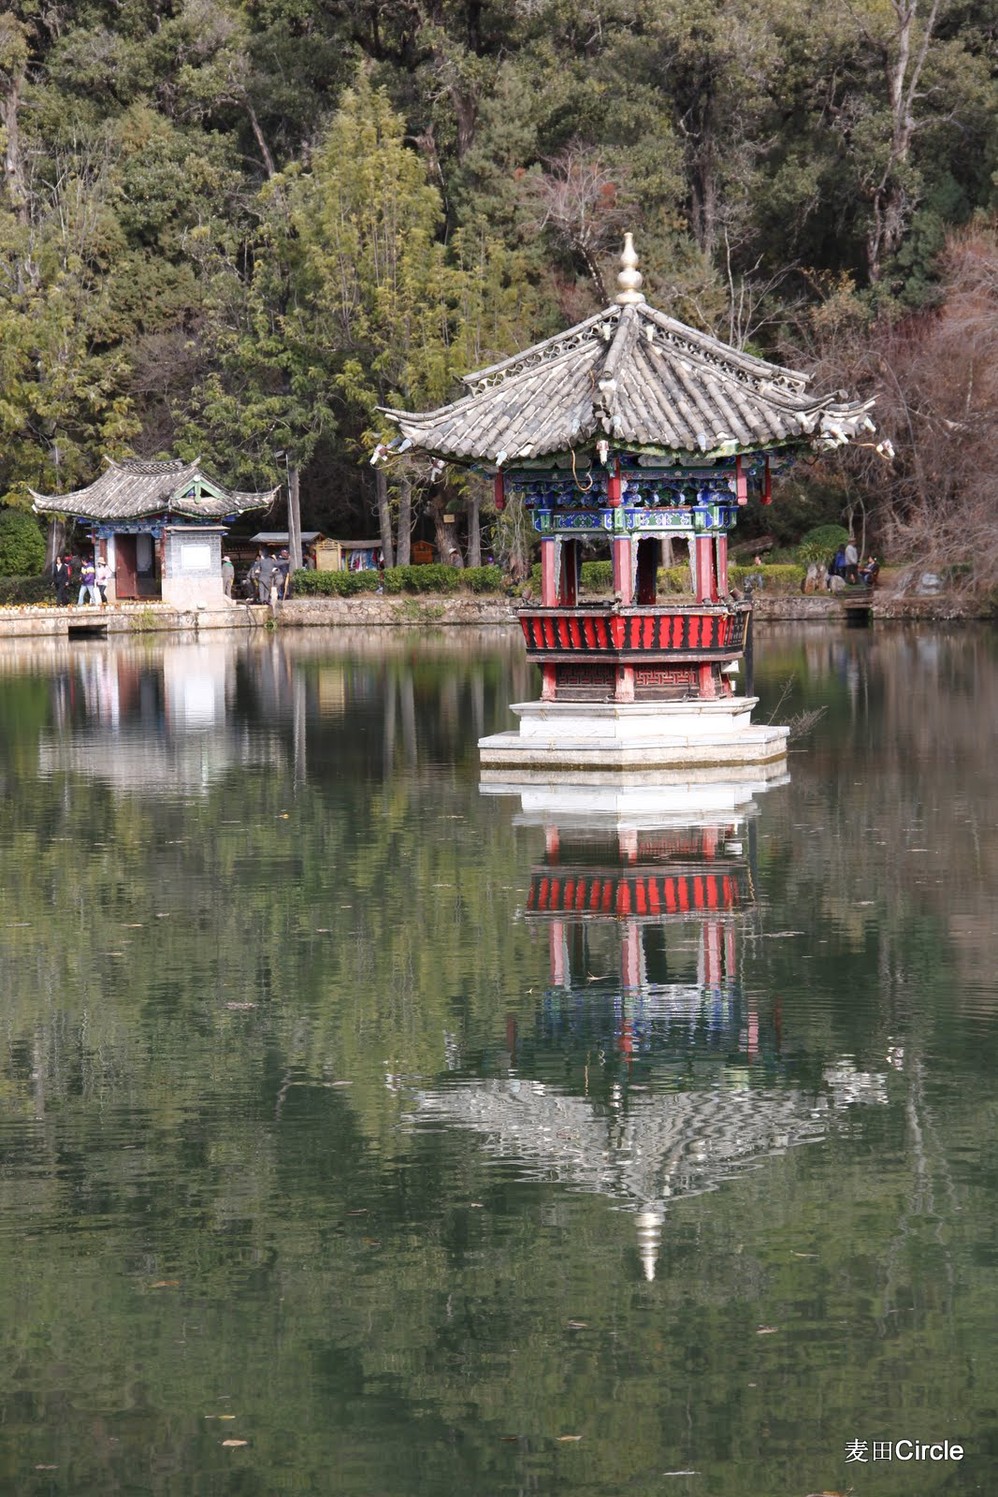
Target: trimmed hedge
(597, 580)
(15, 590)
(435, 578)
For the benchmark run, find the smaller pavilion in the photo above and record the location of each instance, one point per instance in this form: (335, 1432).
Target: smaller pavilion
(633, 431)
(159, 526)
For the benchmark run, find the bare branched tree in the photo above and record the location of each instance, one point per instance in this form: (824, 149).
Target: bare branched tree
(935, 377)
(584, 203)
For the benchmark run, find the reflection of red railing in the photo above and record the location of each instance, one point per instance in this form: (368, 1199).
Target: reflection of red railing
(635, 895)
(679, 633)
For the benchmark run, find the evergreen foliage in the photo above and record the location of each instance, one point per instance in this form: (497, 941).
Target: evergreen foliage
(22, 545)
(237, 228)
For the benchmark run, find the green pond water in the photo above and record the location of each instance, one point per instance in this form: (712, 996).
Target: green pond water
(318, 1136)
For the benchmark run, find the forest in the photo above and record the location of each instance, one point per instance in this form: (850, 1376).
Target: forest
(234, 228)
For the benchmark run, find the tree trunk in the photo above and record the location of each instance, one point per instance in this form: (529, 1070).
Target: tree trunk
(447, 547)
(384, 516)
(12, 163)
(294, 520)
(55, 542)
(474, 528)
(892, 205)
(404, 555)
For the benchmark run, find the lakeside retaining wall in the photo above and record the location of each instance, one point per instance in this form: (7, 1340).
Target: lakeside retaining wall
(372, 610)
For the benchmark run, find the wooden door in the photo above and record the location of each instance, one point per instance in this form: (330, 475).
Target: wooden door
(126, 581)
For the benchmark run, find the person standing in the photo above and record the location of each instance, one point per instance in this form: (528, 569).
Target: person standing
(282, 577)
(228, 576)
(262, 572)
(851, 562)
(88, 584)
(102, 576)
(62, 574)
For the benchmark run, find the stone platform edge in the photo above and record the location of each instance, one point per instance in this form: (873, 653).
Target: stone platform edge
(369, 610)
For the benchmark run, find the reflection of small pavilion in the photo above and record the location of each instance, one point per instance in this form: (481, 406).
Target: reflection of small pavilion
(148, 724)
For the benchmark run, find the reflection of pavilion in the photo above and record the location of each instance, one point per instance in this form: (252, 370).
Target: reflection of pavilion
(663, 903)
(143, 723)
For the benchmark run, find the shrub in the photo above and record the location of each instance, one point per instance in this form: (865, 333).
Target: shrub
(435, 578)
(775, 579)
(821, 543)
(334, 584)
(22, 544)
(38, 589)
(597, 576)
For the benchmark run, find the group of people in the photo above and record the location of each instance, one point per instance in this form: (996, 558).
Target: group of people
(845, 564)
(83, 575)
(271, 576)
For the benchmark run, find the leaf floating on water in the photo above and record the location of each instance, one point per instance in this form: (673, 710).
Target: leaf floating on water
(568, 1439)
(578, 1325)
(46, 1468)
(767, 1330)
(680, 1473)
(476, 1205)
(781, 935)
(240, 1007)
(804, 1255)
(166, 1284)
(233, 1443)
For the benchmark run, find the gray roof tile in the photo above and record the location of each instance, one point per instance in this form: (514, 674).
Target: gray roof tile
(640, 378)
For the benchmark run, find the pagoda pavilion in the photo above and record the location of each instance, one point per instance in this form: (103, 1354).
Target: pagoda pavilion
(633, 430)
(159, 526)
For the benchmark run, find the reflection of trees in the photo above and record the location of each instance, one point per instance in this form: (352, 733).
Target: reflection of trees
(893, 837)
(364, 900)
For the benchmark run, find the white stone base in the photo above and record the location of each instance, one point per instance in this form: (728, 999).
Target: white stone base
(635, 736)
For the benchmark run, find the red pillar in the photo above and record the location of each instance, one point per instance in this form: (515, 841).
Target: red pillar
(549, 572)
(706, 576)
(620, 548)
(568, 592)
(721, 570)
(624, 689)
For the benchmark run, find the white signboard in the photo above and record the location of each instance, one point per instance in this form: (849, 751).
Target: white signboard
(195, 556)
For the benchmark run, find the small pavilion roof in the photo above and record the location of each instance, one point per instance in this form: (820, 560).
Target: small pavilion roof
(136, 488)
(640, 380)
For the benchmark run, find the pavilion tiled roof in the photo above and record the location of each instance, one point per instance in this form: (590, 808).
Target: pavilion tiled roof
(640, 380)
(136, 488)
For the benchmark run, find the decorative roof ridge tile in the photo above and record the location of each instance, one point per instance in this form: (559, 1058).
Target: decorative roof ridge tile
(597, 330)
(150, 467)
(746, 368)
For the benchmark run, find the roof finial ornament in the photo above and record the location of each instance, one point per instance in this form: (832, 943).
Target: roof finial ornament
(629, 278)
